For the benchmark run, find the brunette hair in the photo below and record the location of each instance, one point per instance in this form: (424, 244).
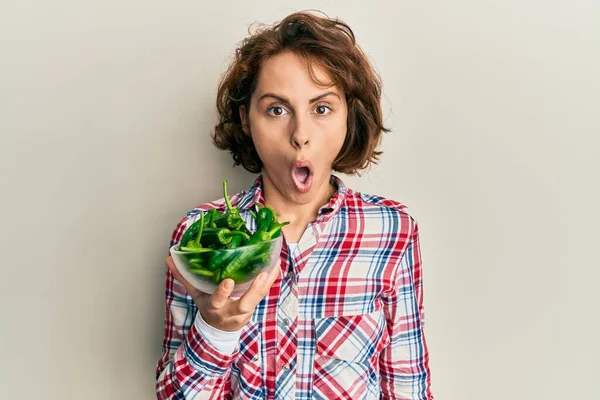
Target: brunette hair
(326, 42)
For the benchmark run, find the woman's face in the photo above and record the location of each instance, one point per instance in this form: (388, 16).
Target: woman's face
(297, 126)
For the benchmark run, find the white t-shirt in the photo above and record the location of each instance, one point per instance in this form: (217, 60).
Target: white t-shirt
(292, 247)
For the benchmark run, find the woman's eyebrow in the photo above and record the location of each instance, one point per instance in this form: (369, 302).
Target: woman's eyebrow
(319, 97)
(286, 101)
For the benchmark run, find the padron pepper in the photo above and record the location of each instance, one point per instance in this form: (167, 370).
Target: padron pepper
(199, 270)
(220, 236)
(212, 215)
(267, 228)
(192, 231)
(231, 219)
(219, 258)
(209, 239)
(193, 245)
(264, 218)
(236, 241)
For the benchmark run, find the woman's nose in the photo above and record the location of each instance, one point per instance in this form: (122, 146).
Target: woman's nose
(300, 135)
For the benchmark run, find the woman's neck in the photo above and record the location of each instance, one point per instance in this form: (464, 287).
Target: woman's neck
(299, 214)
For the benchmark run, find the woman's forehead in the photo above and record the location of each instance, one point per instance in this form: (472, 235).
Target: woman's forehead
(293, 76)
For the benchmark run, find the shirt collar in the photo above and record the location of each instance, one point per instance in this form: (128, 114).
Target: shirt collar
(255, 195)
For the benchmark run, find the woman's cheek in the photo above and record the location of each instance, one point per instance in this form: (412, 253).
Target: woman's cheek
(267, 151)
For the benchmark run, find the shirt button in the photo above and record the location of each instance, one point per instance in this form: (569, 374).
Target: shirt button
(286, 367)
(290, 275)
(314, 233)
(286, 322)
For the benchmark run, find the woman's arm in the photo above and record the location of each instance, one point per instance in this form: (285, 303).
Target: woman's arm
(190, 367)
(404, 364)
(190, 364)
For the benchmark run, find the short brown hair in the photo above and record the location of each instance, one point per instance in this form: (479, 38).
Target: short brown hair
(331, 44)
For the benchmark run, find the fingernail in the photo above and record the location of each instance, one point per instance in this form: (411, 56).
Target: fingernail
(227, 284)
(261, 277)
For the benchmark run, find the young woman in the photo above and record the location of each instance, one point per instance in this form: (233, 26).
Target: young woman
(341, 317)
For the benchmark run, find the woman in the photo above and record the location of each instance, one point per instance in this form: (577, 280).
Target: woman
(341, 317)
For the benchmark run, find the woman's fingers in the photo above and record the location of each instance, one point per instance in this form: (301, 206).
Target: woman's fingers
(218, 309)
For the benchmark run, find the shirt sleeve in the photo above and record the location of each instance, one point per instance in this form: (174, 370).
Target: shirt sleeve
(190, 366)
(404, 364)
(224, 341)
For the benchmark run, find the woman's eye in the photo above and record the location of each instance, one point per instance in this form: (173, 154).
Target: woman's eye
(323, 110)
(276, 111)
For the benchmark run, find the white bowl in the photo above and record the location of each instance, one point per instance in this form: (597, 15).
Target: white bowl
(194, 266)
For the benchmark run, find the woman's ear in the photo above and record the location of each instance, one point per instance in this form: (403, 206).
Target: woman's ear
(245, 120)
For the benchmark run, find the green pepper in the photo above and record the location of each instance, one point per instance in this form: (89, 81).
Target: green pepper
(202, 272)
(263, 236)
(244, 229)
(207, 239)
(261, 259)
(240, 276)
(236, 241)
(264, 218)
(220, 236)
(195, 249)
(231, 219)
(215, 236)
(245, 258)
(219, 258)
(267, 228)
(197, 265)
(217, 277)
(238, 263)
(212, 215)
(194, 259)
(194, 231)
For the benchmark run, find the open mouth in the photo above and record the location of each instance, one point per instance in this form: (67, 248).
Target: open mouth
(302, 175)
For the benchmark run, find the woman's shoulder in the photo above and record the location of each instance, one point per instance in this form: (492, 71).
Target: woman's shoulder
(370, 204)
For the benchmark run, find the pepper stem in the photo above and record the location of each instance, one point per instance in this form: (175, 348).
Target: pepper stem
(238, 233)
(225, 195)
(197, 241)
(276, 228)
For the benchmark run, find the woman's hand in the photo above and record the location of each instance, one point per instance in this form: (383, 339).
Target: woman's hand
(221, 312)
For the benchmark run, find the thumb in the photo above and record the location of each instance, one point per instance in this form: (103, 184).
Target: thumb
(220, 296)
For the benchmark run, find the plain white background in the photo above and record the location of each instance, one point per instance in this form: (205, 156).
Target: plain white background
(105, 113)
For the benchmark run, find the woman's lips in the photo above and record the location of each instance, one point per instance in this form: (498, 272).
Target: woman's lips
(302, 176)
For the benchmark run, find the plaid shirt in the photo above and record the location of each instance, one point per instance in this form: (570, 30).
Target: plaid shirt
(344, 321)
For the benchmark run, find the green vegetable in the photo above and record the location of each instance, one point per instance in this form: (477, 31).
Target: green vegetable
(267, 228)
(219, 258)
(261, 259)
(220, 236)
(202, 272)
(237, 241)
(194, 230)
(212, 215)
(265, 218)
(244, 229)
(195, 249)
(209, 240)
(231, 219)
